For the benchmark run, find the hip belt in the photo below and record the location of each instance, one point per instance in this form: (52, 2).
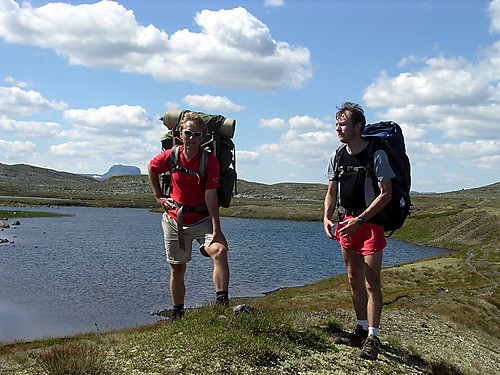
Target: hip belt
(350, 211)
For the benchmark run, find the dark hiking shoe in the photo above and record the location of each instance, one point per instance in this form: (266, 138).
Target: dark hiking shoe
(173, 314)
(222, 300)
(371, 347)
(177, 314)
(355, 338)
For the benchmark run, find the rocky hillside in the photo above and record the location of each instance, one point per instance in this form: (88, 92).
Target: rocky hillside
(22, 179)
(23, 174)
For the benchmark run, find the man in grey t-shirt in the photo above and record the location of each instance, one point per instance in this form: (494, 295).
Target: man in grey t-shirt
(361, 241)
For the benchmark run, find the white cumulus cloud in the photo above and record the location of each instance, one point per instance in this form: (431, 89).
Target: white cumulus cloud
(10, 151)
(112, 120)
(455, 99)
(494, 10)
(17, 83)
(300, 148)
(247, 157)
(274, 3)
(233, 49)
(7, 147)
(212, 103)
(296, 122)
(308, 123)
(274, 123)
(29, 129)
(15, 101)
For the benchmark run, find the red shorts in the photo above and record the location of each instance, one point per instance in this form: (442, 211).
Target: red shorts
(368, 239)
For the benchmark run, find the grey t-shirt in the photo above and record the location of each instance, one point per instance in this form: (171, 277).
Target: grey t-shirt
(383, 171)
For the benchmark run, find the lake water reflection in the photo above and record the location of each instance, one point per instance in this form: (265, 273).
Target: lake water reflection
(105, 268)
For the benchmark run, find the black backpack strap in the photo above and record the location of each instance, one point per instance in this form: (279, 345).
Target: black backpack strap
(336, 161)
(174, 160)
(370, 164)
(203, 163)
(339, 171)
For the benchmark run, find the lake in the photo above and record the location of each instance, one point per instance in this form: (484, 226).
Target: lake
(105, 268)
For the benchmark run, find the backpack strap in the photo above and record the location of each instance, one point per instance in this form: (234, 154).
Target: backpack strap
(203, 163)
(174, 157)
(336, 161)
(339, 171)
(174, 160)
(202, 173)
(370, 164)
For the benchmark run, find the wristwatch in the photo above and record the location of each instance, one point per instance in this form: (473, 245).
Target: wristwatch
(361, 220)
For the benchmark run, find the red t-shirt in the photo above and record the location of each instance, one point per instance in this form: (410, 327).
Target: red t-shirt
(187, 188)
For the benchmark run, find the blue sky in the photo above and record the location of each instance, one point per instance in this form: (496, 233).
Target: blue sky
(82, 84)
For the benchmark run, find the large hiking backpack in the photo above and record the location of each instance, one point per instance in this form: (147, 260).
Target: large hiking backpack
(218, 141)
(388, 136)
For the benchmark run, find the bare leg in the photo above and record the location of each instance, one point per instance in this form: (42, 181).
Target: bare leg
(356, 276)
(373, 265)
(218, 253)
(177, 287)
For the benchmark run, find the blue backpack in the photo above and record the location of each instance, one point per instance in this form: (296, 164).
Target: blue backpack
(388, 136)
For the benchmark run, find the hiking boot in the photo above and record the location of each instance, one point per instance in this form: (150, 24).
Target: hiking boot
(222, 300)
(355, 338)
(371, 347)
(177, 314)
(173, 314)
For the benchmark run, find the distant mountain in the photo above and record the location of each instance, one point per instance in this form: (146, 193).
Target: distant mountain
(116, 170)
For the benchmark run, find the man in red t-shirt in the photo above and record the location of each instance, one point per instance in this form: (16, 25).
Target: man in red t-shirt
(196, 221)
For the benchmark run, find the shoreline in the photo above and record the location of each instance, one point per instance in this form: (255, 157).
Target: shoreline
(265, 290)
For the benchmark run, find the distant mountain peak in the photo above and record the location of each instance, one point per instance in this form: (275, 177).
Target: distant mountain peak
(117, 170)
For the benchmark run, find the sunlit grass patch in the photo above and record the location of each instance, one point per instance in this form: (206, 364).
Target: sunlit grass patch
(76, 358)
(213, 338)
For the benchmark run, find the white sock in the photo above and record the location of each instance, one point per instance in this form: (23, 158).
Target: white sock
(372, 331)
(364, 324)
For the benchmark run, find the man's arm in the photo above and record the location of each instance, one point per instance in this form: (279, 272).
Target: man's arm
(155, 185)
(213, 209)
(329, 207)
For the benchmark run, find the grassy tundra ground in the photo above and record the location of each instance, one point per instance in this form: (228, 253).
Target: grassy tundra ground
(441, 316)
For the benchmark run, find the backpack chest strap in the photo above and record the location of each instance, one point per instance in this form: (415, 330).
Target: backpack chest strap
(351, 168)
(174, 160)
(189, 171)
(350, 211)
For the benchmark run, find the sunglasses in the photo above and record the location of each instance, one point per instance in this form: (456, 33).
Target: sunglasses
(189, 133)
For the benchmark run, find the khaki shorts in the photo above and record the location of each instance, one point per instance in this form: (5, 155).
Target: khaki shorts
(200, 231)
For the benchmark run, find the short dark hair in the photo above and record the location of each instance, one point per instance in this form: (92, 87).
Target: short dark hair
(357, 114)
